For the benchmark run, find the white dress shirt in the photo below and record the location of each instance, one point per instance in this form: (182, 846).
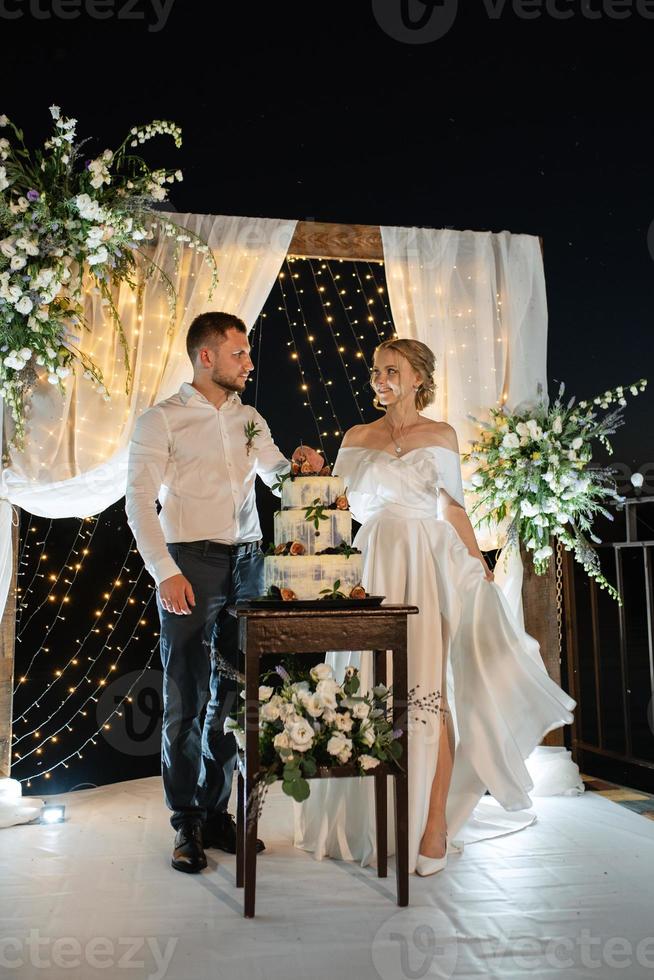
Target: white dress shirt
(193, 458)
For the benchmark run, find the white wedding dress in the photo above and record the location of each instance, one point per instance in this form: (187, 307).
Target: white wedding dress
(499, 693)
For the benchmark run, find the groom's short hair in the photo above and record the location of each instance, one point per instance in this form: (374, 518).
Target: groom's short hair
(210, 326)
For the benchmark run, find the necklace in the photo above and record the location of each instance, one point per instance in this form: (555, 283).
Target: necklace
(398, 448)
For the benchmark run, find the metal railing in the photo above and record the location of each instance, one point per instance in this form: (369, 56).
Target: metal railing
(610, 657)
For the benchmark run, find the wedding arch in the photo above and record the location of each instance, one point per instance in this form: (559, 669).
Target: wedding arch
(477, 298)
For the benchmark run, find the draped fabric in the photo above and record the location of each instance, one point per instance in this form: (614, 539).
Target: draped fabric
(477, 299)
(75, 458)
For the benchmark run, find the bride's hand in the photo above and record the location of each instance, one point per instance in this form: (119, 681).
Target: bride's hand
(489, 575)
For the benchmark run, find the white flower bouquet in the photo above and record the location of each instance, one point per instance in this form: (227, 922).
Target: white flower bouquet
(64, 218)
(534, 470)
(311, 721)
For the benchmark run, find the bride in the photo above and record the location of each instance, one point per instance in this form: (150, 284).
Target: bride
(496, 701)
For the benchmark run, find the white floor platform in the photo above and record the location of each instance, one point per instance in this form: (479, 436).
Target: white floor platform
(571, 896)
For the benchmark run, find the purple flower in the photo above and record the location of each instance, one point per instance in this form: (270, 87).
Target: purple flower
(397, 733)
(283, 673)
(33, 195)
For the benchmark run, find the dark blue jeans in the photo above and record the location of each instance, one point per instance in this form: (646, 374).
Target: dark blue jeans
(197, 762)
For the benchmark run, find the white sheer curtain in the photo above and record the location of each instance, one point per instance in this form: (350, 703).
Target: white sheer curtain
(75, 460)
(477, 299)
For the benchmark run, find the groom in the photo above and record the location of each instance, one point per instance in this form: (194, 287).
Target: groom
(199, 453)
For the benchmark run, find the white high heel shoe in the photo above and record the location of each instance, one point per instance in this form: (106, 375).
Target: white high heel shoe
(429, 866)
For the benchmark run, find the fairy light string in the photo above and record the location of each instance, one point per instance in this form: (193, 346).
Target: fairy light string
(60, 673)
(311, 341)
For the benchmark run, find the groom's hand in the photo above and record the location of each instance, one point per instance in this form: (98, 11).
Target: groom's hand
(176, 593)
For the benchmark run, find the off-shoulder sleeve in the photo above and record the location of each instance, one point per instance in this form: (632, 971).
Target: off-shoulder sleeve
(450, 479)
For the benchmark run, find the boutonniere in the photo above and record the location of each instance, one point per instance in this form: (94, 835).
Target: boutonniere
(251, 432)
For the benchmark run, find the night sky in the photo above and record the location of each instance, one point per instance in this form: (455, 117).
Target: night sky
(542, 126)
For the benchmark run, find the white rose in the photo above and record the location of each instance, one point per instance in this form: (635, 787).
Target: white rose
(270, 711)
(344, 722)
(4, 120)
(329, 716)
(7, 247)
(368, 762)
(511, 441)
(301, 735)
(577, 443)
(314, 705)
(24, 305)
(286, 710)
(26, 353)
(265, 692)
(535, 430)
(17, 262)
(339, 744)
(282, 745)
(361, 710)
(368, 735)
(96, 258)
(321, 672)
(327, 690)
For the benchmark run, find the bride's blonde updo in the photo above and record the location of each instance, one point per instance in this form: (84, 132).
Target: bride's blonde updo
(422, 360)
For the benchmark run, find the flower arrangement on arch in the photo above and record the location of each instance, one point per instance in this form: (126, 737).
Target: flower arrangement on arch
(64, 217)
(534, 469)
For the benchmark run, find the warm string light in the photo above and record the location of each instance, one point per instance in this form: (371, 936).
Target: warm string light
(51, 597)
(23, 559)
(310, 340)
(116, 712)
(340, 349)
(74, 659)
(381, 292)
(295, 355)
(81, 710)
(257, 340)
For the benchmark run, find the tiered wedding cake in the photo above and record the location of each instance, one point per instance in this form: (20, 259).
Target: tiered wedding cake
(312, 553)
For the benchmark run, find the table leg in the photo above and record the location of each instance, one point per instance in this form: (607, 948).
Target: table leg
(401, 783)
(381, 781)
(251, 770)
(240, 835)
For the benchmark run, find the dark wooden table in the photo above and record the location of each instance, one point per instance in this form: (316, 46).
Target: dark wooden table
(380, 629)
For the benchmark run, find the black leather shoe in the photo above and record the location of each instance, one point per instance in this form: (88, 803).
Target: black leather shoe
(220, 831)
(189, 854)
